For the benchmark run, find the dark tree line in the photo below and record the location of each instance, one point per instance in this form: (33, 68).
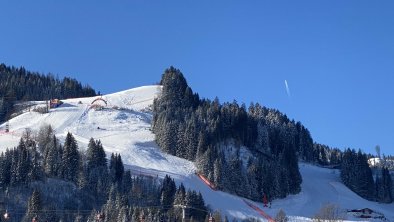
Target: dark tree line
(44, 168)
(18, 84)
(384, 186)
(20, 165)
(326, 155)
(357, 175)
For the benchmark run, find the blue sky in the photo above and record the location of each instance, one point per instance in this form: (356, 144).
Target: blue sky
(337, 56)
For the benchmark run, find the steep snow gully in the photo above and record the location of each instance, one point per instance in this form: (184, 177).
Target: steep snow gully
(123, 126)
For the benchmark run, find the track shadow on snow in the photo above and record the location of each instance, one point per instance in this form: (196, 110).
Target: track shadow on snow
(65, 108)
(151, 149)
(65, 105)
(125, 114)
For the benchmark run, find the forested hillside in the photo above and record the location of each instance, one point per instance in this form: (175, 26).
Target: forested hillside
(44, 179)
(250, 152)
(19, 85)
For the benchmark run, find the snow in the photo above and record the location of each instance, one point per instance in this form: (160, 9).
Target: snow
(378, 162)
(123, 127)
(374, 161)
(321, 186)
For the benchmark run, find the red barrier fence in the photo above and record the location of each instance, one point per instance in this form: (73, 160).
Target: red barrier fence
(260, 211)
(206, 181)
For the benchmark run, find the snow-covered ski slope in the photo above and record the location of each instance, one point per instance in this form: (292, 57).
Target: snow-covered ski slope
(123, 126)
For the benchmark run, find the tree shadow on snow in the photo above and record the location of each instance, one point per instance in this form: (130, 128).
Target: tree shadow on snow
(125, 114)
(152, 150)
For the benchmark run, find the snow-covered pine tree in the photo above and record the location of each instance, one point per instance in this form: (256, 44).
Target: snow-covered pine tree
(218, 173)
(191, 138)
(23, 164)
(180, 195)
(5, 169)
(95, 155)
(116, 168)
(70, 159)
(36, 171)
(126, 182)
(180, 141)
(168, 191)
(34, 206)
(44, 137)
(52, 158)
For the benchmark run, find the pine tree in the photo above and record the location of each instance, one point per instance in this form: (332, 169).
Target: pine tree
(92, 216)
(116, 168)
(383, 188)
(3, 109)
(218, 173)
(5, 169)
(36, 171)
(127, 182)
(52, 158)
(236, 177)
(180, 195)
(195, 203)
(168, 191)
(70, 159)
(44, 137)
(364, 180)
(281, 216)
(123, 215)
(95, 170)
(34, 206)
(23, 163)
(169, 136)
(50, 214)
(3, 183)
(95, 155)
(356, 174)
(191, 140)
(180, 143)
(388, 185)
(82, 179)
(252, 177)
(14, 167)
(262, 140)
(119, 168)
(291, 164)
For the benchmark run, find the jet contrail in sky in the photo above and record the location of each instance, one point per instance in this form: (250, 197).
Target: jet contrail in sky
(287, 88)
